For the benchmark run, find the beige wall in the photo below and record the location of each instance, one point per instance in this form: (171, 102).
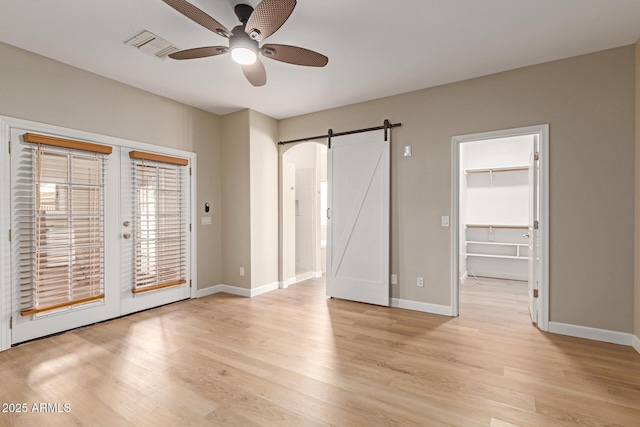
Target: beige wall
(236, 201)
(264, 199)
(637, 199)
(588, 101)
(35, 88)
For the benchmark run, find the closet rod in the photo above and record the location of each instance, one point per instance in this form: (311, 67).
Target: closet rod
(332, 134)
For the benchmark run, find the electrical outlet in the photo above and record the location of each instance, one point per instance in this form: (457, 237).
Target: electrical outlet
(242, 271)
(394, 279)
(421, 282)
(445, 221)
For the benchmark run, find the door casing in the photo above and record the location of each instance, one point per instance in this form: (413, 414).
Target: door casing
(542, 131)
(6, 124)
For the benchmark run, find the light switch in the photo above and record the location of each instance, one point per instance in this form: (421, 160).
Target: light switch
(407, 151)
(394, 279)
(445, 221)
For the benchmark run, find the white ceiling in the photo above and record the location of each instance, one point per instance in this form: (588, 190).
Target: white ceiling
(376, 48)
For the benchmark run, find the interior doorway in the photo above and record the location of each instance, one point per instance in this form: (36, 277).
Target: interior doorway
(304, 205)
(500, 214)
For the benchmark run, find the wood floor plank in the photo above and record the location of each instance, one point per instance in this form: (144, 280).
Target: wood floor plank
(293, 357)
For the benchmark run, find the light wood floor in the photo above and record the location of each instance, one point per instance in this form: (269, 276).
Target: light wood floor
(292, 357)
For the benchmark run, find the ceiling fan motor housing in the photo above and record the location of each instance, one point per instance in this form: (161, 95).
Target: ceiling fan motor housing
(241, 39)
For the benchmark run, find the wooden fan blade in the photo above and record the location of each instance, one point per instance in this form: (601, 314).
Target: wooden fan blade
(268, 17)
(198, 16)
(294, 55)
(255, 73)
(199, 52)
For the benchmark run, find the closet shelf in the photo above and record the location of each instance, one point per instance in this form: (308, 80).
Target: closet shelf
(510, 250)
(471, 242)
(508, 227)
(497, 256)
(493, 170)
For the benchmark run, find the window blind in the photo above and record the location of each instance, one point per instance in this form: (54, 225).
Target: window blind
(60, 211)
(160, 218)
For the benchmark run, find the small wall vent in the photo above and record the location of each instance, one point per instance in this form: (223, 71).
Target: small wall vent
(152, 44)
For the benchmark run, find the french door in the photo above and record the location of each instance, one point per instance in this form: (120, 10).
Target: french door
(91, 240)
(154, 228)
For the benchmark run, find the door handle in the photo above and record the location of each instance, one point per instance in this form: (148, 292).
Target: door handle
(127, 235)
(526, 235)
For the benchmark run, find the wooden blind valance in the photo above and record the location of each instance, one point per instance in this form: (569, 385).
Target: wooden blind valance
(158, 158)
(67, 143)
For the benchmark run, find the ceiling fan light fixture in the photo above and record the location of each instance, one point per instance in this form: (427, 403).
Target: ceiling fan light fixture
(243, 50)
(243, 55)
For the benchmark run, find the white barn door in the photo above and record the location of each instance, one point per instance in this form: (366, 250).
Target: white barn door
(358, 218)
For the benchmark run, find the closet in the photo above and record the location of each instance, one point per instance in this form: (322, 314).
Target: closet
(494, 207)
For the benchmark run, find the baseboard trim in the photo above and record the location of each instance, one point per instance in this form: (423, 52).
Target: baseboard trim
(290, 281)
(443, 310)
(464, 277)
(316, 274)
(595, 334)
(254, 292)
(304, 276)
(635, 343)
(234, 290)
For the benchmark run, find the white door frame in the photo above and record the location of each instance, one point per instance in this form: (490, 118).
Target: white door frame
(287, 275)
(5, 245)
(6, 123)
(543, 134)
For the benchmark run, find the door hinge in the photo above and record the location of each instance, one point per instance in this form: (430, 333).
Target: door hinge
(535, 293)
(536, 225)
(536, 156)
(9, 234)
(9, 147)
(11, 322)
(190, 171)
(190, 283)
(189, 227)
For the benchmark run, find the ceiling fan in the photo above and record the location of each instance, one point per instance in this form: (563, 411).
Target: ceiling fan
(256, 25)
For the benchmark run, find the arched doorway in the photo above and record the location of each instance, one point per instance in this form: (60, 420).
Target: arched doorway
(303, 212)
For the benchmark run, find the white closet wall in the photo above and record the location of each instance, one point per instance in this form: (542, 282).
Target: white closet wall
(494, 207)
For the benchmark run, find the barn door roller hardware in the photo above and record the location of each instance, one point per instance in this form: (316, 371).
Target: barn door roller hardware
(330, 134)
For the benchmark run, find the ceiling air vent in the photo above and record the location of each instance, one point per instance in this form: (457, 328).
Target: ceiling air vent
(152, 44)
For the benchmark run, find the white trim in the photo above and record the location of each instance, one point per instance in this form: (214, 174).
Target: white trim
(424, 307)
(543, 132)
(193, 209)
(603, 335)
(464, 277)
(254, 292)
(290, 281)
(304, 276)
(316, 274)
(234, 290)
(635, 343)
(5, 245)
